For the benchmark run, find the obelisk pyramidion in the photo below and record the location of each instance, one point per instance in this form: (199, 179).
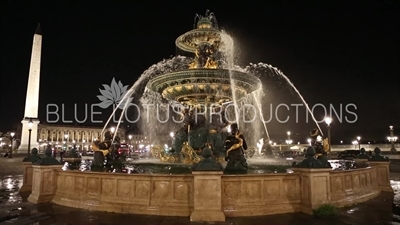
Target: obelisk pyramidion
(32, 95)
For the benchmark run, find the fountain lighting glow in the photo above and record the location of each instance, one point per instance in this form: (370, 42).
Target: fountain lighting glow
(175, 80)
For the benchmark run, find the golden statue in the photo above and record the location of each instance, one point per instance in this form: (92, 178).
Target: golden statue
(237, 145)
(188, 154)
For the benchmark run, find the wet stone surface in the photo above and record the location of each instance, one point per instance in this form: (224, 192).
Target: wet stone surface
(375, 211)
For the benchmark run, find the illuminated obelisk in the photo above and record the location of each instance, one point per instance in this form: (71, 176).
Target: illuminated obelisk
(30, 120)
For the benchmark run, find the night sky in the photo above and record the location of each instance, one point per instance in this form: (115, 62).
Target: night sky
(337, 52)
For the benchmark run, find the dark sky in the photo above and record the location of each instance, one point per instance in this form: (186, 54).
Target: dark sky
(337, 52)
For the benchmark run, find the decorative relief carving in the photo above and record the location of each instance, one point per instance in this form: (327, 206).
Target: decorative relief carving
(161, 189)
(232, 189)
(363, 179)
(337, 184)
(68, 183)
(181, 191)
(291, 188)
(252, 189)
(124, 188)
(93, 185)
(369, 181)
(61, 183)
(348, 182)
(272, 189)
(356, 181)
(79, 184)
(108, 186)
(142, 189)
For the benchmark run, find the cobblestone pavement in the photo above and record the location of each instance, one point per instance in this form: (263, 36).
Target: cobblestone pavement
(375, 211)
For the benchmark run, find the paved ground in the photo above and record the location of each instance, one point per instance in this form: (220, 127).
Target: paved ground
(376, 211)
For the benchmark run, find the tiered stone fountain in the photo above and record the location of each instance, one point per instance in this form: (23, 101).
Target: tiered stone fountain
(205, 89)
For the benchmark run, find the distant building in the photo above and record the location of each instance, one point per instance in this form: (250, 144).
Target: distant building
(69, 135)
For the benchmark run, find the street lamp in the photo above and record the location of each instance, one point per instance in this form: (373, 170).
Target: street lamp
(328, 122)
(30, 124)
(392, 139)
(359, 142)
(309, 141)
(12, 144)
(355, 143)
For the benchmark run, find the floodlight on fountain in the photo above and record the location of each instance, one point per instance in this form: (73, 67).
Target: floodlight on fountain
(328, 120)
(112, 129)
(172, 134)
(270, 142)
(229, 129)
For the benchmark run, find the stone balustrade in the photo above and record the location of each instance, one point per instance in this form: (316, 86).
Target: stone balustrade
(208, 196)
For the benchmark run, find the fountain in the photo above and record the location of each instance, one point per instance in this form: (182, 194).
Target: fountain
(205, 89)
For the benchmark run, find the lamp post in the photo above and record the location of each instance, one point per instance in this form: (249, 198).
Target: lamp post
(359, 142)
(392, 139)
(130, 141)
(355, 143)
(12, 144)
(328, 122)
(288, 141)
(30, 124)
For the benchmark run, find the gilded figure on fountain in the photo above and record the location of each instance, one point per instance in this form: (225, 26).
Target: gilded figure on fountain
(321, 146)
(235, 147)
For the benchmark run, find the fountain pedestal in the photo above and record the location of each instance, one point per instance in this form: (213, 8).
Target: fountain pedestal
(28, 171)
(315, 188)
(44, 183)
(383, 174)
(207, 197)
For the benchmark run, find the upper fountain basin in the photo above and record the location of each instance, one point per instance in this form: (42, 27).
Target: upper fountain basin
(202, 84)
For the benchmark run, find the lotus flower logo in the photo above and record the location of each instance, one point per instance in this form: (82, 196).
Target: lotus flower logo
(112, 95)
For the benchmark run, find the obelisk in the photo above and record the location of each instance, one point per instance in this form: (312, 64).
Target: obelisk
(32, 96)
